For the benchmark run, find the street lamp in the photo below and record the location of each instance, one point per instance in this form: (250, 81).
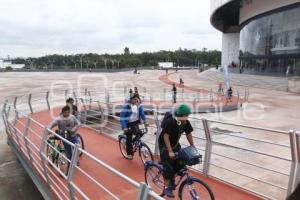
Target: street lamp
(81, 61)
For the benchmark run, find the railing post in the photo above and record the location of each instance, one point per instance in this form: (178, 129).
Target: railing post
(194, 106)
(248, 94)
(85, 94)
(8, 113)
(16, 117)
(90, 100)
(15, 102)
(211, 97)
(125, 92)
(297, 135)
(107, 98)
(85, 110)
(29, 103)
(17, 137)
(158, 130)
(73, 163)
(75, 97)
(208, 148)
(47, 100)
(298, 156)
(4, 107)
(143, 192)
(165, 94)
(7, 130)
(25, 137)
(41, 152)
(294, 164)
(66, 95)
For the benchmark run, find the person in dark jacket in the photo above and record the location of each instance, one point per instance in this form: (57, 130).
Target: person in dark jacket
(229, 94)
(168, 142)
(174, 91)
(131, 116)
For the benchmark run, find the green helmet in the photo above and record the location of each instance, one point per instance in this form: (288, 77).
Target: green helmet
(183, 110)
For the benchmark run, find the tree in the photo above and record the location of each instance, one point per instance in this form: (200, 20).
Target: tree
(8, 68)
(126, 51)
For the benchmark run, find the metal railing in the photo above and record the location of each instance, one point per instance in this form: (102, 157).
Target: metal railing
(29, 137)
(250, 153)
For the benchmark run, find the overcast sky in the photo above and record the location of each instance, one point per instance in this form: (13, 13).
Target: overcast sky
(39, 27)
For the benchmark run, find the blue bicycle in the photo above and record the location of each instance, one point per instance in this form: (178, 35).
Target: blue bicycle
(138, 145)
(189, 187)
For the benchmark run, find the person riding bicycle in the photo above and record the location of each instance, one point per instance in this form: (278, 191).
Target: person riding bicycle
(172, 129)
(131, 116)
(68, 125)
(73, 107)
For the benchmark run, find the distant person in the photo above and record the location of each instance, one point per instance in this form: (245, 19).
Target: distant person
(136, 92)
(174, 91)
(167, 71)
(220, 89)
(229, 94)
(72, 106)
(296, 194)
(217, 67)
(181, 82)
(135, 71)
(127, 98)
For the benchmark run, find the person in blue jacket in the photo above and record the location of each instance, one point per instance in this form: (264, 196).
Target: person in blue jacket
(131, 116)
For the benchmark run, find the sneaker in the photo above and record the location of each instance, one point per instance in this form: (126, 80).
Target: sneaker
(169, 192)
(130, 157)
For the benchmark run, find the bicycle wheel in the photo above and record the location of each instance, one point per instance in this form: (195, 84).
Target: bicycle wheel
(63, 163)
(122, 145)
(80, 143)
(195, 189)
(50, 152)
(154, 178)
(145, 153)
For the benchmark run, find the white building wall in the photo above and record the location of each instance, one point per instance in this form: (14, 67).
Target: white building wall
(252, 8)
(230, 48)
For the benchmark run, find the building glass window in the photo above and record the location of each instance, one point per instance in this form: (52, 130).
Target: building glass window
(271, 44)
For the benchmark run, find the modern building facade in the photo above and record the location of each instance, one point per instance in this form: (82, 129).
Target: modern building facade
(4, 64)
(260, 36)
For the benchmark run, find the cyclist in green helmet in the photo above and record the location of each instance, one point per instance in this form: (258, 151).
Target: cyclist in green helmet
(172, 129)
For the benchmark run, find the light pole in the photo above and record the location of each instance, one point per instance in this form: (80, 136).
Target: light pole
(113, 63)
(81, 61)
(105, 63)
(118, 64)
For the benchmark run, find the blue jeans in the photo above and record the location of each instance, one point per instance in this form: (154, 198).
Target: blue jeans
(68, 149)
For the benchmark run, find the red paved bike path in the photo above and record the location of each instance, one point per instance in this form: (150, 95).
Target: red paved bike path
(107, 150)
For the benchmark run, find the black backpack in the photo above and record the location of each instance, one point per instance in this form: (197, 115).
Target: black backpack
(167, 116)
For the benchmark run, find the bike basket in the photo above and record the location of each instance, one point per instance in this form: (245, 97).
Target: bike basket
(190, 155)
